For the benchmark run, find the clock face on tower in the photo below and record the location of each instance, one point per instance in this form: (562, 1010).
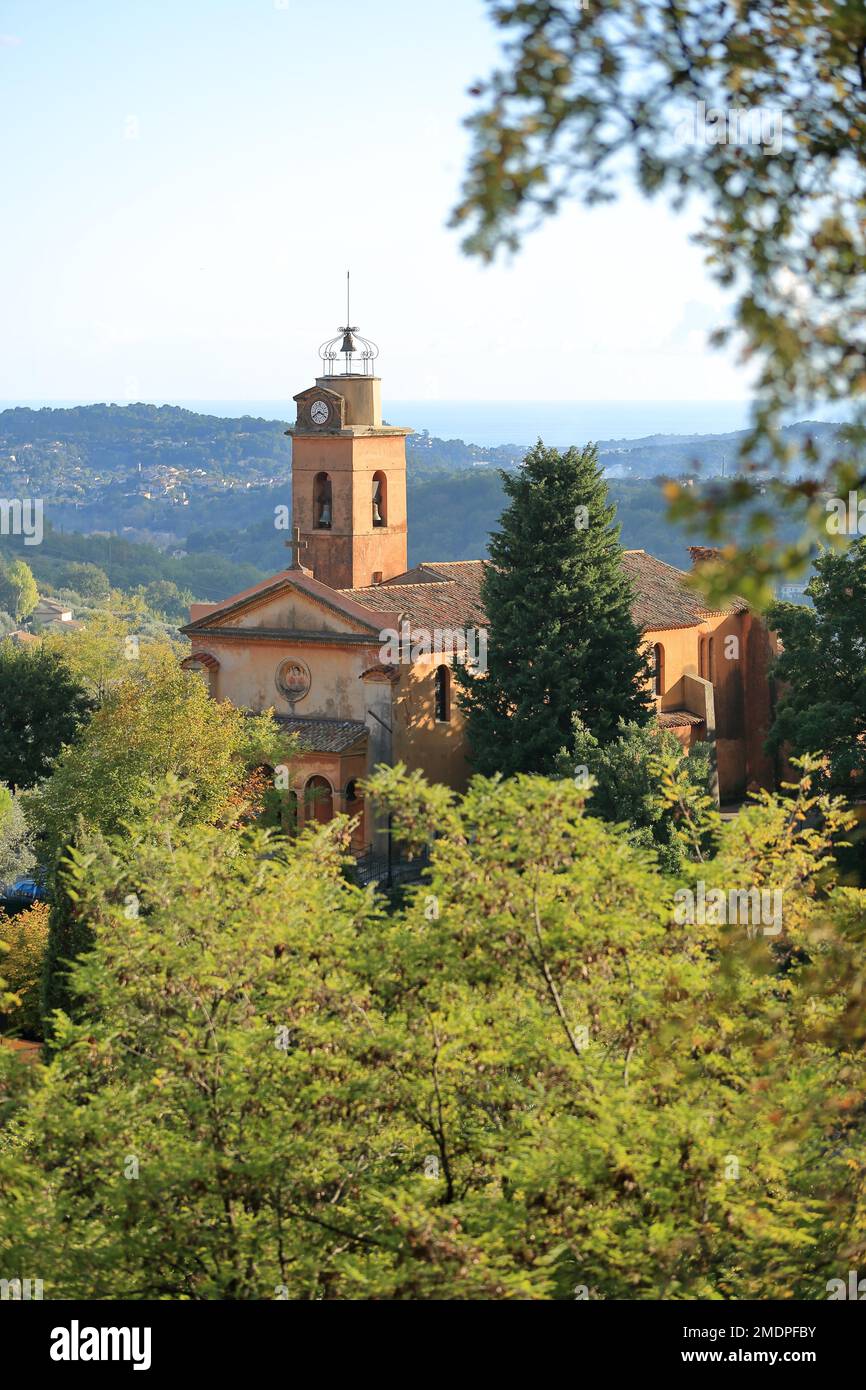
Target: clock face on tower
(319, 412)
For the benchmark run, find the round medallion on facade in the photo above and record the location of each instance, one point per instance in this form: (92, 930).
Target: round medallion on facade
(293, 680)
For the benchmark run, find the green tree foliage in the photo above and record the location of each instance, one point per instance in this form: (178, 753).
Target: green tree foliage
(628, 774)
(580, 87)
(822, 666)
(23, 940)
(16, 849)
(86, 579)
(562, 640)
(532, 1081)
(18, 591)
(163, 596)
(158, 721)
(130, 564)
(101, 653)
(42, 706)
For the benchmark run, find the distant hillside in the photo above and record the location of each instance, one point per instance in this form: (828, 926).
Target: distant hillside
(190, 498)
(160, 472)
(711, 455)
(129, 564)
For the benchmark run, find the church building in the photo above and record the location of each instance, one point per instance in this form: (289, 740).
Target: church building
(354, 651)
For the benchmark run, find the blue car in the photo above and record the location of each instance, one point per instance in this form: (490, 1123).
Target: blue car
(28, 888)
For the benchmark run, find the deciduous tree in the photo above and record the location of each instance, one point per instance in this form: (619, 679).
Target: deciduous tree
(42, 706)
(822, 667)
(18, 591)
(533, 1080)
(16, 849)
(760, 110)
(159, 721)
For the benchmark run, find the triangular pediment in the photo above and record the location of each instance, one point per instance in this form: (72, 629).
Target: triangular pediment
(310, 391)
(293, 602)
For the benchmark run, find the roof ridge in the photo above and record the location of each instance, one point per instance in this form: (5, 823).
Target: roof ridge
(320, 719)
(659, 561)
(389, 584)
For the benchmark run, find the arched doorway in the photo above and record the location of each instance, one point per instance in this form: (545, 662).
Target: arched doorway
(278, 804)
(318, 801)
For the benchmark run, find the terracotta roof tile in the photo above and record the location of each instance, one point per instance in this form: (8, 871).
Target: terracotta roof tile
(447, 594)
(678, 719)
(324, 735)
(661, 598)
(380, 671)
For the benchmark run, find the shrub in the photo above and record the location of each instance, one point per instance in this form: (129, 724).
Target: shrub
(25, 936)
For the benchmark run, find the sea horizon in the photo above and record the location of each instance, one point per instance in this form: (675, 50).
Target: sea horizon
(489, 423)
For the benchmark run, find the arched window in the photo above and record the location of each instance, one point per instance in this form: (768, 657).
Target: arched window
(443, 695)
(659, 669)
(380, 500)
(318, 801)
(710, 661)
(207, 665)
(322, 502)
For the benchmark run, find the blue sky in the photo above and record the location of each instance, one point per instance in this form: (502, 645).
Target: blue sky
(187, 181)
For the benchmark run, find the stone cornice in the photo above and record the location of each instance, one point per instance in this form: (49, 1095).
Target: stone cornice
(285, 634)
(351, 432)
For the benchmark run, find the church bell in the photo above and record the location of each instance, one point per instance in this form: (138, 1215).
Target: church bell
(348, 342)
(378, 519)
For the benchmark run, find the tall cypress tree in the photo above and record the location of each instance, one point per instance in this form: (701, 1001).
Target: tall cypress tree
(562, 640)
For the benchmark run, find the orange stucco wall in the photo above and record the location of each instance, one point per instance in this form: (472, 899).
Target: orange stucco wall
(420, 741)
(352, 550)
(249, 663)
(735, 703)
(741, 693)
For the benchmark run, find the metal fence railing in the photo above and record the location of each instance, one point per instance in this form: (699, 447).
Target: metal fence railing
(390, 869)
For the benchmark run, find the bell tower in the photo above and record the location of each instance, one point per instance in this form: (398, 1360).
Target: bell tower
(348, 471)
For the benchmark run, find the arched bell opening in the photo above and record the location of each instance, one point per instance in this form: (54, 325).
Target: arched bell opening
(380, 499)
(322, 502)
